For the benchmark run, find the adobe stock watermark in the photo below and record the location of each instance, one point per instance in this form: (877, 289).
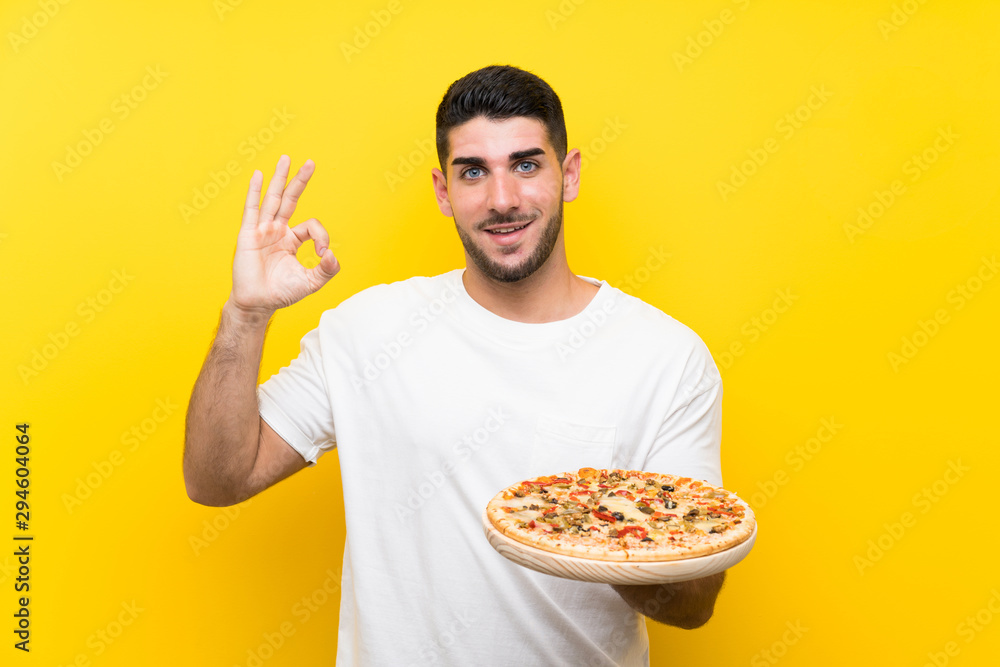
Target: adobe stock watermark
(923, 501)
(900, 16)
(580, 333)
(211, 531)
(418, 322)
(619, 637)
(7, 568)
(655, 260)
(757, 326)
(303, 610)
(105, 637)
(796, 458)
(364, 34)
(779, 647)
(218, 181)
(786, 127)
(407, 164)
(914, 167)
(463, 450)
(131, 440)
(706, 381)
(121, 108)
(31, 25)
(59, 340)
(435, 650)
(703, 39)
(223, 7)
(596, 147)
(957, 297)
(562, 12)
(967, 630)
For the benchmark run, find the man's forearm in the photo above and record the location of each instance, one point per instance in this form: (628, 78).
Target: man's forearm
(687, 604)
(223, 423)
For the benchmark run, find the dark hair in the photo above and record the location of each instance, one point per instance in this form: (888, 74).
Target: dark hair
(499, 92)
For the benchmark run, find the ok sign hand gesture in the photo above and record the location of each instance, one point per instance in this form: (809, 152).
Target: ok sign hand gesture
(266, 274)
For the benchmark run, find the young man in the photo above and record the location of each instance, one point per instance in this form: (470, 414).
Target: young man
(438, 392)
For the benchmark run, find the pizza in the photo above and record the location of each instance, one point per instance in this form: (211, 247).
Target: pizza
(621, 515)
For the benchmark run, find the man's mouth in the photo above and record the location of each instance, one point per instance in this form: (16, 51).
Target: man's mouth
(509, 229)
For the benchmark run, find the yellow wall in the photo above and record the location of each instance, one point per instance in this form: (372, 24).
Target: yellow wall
(740, 138)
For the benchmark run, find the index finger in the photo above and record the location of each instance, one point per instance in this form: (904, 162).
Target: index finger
(290, 197)
(251, 210)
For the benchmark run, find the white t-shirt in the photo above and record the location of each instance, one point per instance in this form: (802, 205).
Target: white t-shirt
(436, 404)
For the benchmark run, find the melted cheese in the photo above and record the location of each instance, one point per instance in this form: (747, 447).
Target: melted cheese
(628, 509)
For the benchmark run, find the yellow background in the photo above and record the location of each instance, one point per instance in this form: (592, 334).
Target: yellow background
(853, 565)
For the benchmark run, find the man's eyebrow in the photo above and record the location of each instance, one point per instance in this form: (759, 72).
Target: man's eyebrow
(516, 155)
(478, 161)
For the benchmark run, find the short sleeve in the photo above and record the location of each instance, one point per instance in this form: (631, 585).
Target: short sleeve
(296, 402)
(689, 439)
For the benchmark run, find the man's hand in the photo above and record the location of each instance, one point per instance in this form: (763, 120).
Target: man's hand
(687, 605)
(266, 274)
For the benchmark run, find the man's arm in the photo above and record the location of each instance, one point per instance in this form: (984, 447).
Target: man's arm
(686, 605)
(230, 453)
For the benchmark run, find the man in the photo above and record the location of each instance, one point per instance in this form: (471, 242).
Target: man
(438, 392)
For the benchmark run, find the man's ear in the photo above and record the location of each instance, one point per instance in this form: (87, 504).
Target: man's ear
(571, 175)
(441, 192)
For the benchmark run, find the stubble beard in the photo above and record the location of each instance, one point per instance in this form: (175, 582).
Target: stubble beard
(506, 273)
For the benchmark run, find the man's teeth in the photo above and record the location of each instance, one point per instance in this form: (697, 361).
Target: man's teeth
(506, 231)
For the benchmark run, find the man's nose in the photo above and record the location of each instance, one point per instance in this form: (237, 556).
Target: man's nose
(503, 194)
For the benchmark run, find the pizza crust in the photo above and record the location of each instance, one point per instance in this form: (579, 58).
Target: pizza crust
(566, 530)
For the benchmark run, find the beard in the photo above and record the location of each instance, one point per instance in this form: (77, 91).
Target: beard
(507, 273)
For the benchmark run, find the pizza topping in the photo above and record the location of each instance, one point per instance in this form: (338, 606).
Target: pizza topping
(621, 515)
(636, 530)
(601, 515)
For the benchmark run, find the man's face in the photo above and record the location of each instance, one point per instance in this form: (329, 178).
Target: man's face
(505, 189)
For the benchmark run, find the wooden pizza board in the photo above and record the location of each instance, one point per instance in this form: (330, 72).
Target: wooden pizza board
(615, 572)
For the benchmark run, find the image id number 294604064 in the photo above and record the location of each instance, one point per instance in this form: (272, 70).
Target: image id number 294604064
(22, 540)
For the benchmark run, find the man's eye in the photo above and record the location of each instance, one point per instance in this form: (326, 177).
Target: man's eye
(472, 172)
(526, 167)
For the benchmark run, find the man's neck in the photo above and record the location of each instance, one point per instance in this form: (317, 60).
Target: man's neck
(550, 294)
